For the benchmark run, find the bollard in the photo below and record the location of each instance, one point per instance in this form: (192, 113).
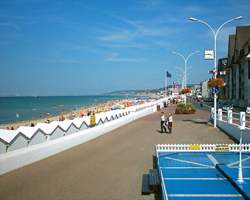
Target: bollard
(220, 114)
(242, 120)
(230, 116)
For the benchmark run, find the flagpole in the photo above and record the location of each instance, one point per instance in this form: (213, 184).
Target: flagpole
(172, 87)
(167, 85)
(166, 80)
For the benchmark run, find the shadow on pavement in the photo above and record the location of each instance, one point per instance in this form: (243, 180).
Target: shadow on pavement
(196, 121)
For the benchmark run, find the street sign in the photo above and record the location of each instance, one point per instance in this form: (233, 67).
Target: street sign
(215, 90)
(209, 54)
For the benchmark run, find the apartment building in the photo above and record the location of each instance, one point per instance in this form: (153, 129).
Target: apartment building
(237, 69)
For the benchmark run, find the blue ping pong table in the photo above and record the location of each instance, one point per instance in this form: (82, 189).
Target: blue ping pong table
(202, 172)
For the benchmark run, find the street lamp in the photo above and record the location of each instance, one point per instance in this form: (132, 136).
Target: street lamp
(182, 76)
(185, 59)
(215, 34)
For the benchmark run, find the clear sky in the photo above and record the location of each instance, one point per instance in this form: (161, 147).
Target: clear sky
(90, 47)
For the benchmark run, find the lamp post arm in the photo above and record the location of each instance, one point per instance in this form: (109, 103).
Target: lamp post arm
(180, 55)
(221, 26)
(208, 25)
(191, 54)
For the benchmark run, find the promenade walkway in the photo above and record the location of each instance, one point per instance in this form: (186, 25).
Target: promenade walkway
(107, 168)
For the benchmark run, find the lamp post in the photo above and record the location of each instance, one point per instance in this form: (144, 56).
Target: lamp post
(215, 34)
(181, 77)
(185, 59)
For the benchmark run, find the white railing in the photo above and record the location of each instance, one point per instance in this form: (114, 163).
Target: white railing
(202, 148)
(231, 117)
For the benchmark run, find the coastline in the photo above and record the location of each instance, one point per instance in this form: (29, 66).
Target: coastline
(95, 108)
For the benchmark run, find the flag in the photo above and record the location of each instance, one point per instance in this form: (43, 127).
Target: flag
(168, 75)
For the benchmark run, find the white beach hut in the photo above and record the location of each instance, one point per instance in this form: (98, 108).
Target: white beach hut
(68, 127)
(100, 122)
(34, 136)
(3, 142)
(85, 122)
(100, 118)
(80, 123)
(52, 130)
(56, 130)
(13, 140)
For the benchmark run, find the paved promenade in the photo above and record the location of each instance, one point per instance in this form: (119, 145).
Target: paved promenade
(107, 168)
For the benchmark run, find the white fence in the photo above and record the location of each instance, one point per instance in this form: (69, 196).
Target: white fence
(202, 148)
(233, 123)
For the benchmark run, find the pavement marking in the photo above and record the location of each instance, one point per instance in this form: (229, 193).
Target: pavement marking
(237, 162)
(244, 167)
(212, 159)
(196, 179)
(187, 167)
(186, 161)
(204, 195)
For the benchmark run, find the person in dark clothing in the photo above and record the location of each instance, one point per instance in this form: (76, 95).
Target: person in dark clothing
(170, 122)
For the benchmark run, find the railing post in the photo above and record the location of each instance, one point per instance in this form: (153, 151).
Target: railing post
(242, 120)
(220, 114)
(230, 116)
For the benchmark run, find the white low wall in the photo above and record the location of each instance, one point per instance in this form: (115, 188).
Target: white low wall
(21, 157)
(234, 131)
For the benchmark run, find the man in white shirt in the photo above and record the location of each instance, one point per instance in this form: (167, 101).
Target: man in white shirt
(170, 122)
(162, 122)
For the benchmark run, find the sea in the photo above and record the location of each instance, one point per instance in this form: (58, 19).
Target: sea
(16, 109)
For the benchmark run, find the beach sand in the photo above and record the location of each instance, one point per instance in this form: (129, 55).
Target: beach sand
(68, 115)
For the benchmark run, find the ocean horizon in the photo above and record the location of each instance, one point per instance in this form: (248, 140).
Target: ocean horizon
(21, 108)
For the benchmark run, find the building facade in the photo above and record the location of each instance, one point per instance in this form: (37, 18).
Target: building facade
(237, 76)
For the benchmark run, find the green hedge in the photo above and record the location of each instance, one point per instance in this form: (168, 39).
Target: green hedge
(185, 109)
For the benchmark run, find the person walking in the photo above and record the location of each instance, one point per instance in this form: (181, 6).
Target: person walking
(170, 122)
(165, 125)
(162, 122)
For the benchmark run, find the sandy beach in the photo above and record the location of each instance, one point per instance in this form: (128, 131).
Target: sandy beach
(96, 108)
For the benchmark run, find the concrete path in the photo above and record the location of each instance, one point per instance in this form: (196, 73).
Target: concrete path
(107, 168)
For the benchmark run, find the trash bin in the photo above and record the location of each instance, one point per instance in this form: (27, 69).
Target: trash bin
(158, 107)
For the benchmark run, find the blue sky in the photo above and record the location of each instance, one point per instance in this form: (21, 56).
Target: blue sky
(90, 47)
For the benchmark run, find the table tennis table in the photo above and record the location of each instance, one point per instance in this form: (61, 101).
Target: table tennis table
(197, 171)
